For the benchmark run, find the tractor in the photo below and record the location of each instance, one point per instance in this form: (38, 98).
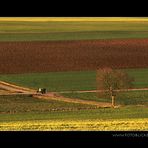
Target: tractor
(42, 90)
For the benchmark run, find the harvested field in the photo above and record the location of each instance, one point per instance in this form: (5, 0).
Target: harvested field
(45, 56)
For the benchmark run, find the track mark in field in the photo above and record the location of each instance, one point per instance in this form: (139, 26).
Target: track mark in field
(9, 89)
(93, 91)
(50, 96)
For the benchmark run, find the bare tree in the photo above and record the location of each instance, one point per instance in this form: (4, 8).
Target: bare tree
(110, 81)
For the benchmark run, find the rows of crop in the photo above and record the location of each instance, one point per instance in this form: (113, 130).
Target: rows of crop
(23, 57)
(63, 36)
(70, 26)
(77, 125)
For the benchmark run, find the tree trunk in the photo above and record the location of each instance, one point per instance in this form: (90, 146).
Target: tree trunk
(113, 101)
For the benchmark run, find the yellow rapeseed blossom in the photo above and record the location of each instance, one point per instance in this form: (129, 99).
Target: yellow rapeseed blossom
(73, 18)
(77, 125)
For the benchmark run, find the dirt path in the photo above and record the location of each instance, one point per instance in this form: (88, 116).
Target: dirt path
(53, 96)
(11, 89)
(85, 91)
(49, 96)
(8, 89)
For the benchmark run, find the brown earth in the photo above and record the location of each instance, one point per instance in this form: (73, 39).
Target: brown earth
(45, 56)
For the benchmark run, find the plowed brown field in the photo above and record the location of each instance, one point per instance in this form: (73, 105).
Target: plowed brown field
(24, 57)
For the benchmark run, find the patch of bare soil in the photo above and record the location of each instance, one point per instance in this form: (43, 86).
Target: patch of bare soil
(45, 56)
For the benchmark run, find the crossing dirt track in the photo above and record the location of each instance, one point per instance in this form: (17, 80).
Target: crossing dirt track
(12, 89)
(45, 56)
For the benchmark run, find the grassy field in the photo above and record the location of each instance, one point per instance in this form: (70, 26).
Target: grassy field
(24, 29)
(26, 104)
(128, 112)
(23, 104)
(62, 81)
(122, 98)
(71, 26)
(127, 118)
(54, 81)
(26, 113)
(72, 35)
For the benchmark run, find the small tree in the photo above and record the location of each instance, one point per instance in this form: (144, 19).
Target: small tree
(109, 80)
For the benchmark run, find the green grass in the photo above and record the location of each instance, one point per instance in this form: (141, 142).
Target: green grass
(71, 30)
(86, 96)
(70, 26)
(140, 75)
(102, 113)
(54, 81)
(122, 98)
(23, 104)
(62, 81)
(59, 81)
(91, 35)
(35, 114)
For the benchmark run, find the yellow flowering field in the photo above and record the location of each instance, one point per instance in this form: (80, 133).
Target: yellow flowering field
(77, 125)
(73, 19)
